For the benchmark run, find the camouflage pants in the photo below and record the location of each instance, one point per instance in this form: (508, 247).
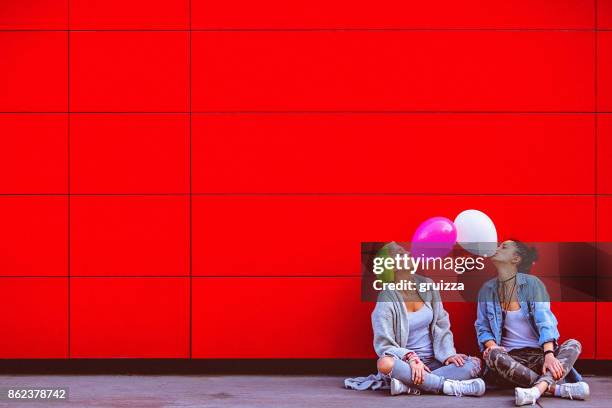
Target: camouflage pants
(523, 367)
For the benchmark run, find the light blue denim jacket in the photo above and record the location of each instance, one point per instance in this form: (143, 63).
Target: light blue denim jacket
(535, 304)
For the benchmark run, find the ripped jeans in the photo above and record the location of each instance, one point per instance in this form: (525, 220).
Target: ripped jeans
(434, 381)
(523, 367)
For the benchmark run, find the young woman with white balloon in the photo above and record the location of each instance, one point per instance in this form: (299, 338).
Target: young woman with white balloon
(518, 335)
(516, 330)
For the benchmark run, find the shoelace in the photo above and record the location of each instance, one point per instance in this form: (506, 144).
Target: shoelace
(456, 388)
(569, 388)
(413, 391)
(534, 400)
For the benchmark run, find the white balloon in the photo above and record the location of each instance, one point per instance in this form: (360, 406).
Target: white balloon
(476, 232)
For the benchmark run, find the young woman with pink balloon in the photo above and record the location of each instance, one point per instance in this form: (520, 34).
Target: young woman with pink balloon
(412, 335)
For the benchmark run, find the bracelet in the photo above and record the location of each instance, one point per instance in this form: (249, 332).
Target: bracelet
(411, 356)
(549, 351)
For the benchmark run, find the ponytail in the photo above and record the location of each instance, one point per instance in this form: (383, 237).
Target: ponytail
(528, 256)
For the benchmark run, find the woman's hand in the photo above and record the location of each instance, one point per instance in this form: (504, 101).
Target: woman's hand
(418, 371)
(552, 364)
(457, 360)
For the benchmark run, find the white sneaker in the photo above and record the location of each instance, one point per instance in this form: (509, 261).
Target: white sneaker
(398, 387)
(578, 391)
(526, 396)
(472, 388)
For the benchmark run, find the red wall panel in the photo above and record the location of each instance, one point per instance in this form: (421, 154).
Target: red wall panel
(604, 14)
(129, 153)
(129, 235)
(281, 318)
(604, 309)
(604, 69)
(604, 332)
(604, 214)
(34, 15)
(311, 235)
(137, 71)
(604, 152)
(462, 316)
(582, 328)
(34, 153)
(382, 153)
(278, 14)
(401, 70)
(33, 71)
(129, 14)
(129, 317)
(321, 125)
(34, 317)
(34, 239)
(604, 132)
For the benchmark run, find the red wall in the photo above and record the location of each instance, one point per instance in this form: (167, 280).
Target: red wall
(202, 193)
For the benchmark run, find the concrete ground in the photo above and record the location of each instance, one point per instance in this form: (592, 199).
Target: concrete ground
(257, 391)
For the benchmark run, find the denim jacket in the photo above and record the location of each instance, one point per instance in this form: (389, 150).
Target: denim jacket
(535, 304)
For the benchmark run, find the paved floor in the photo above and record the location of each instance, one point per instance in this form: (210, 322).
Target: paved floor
(257, 391)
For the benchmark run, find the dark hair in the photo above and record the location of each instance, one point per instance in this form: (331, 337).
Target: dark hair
(528, 255)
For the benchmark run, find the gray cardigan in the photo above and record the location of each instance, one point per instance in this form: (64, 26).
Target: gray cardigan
(390, 324)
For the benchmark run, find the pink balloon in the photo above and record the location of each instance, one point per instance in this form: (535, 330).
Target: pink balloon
(435, 237)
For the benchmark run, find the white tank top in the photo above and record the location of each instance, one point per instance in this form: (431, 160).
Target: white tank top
(517, 331)
(419, 339)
